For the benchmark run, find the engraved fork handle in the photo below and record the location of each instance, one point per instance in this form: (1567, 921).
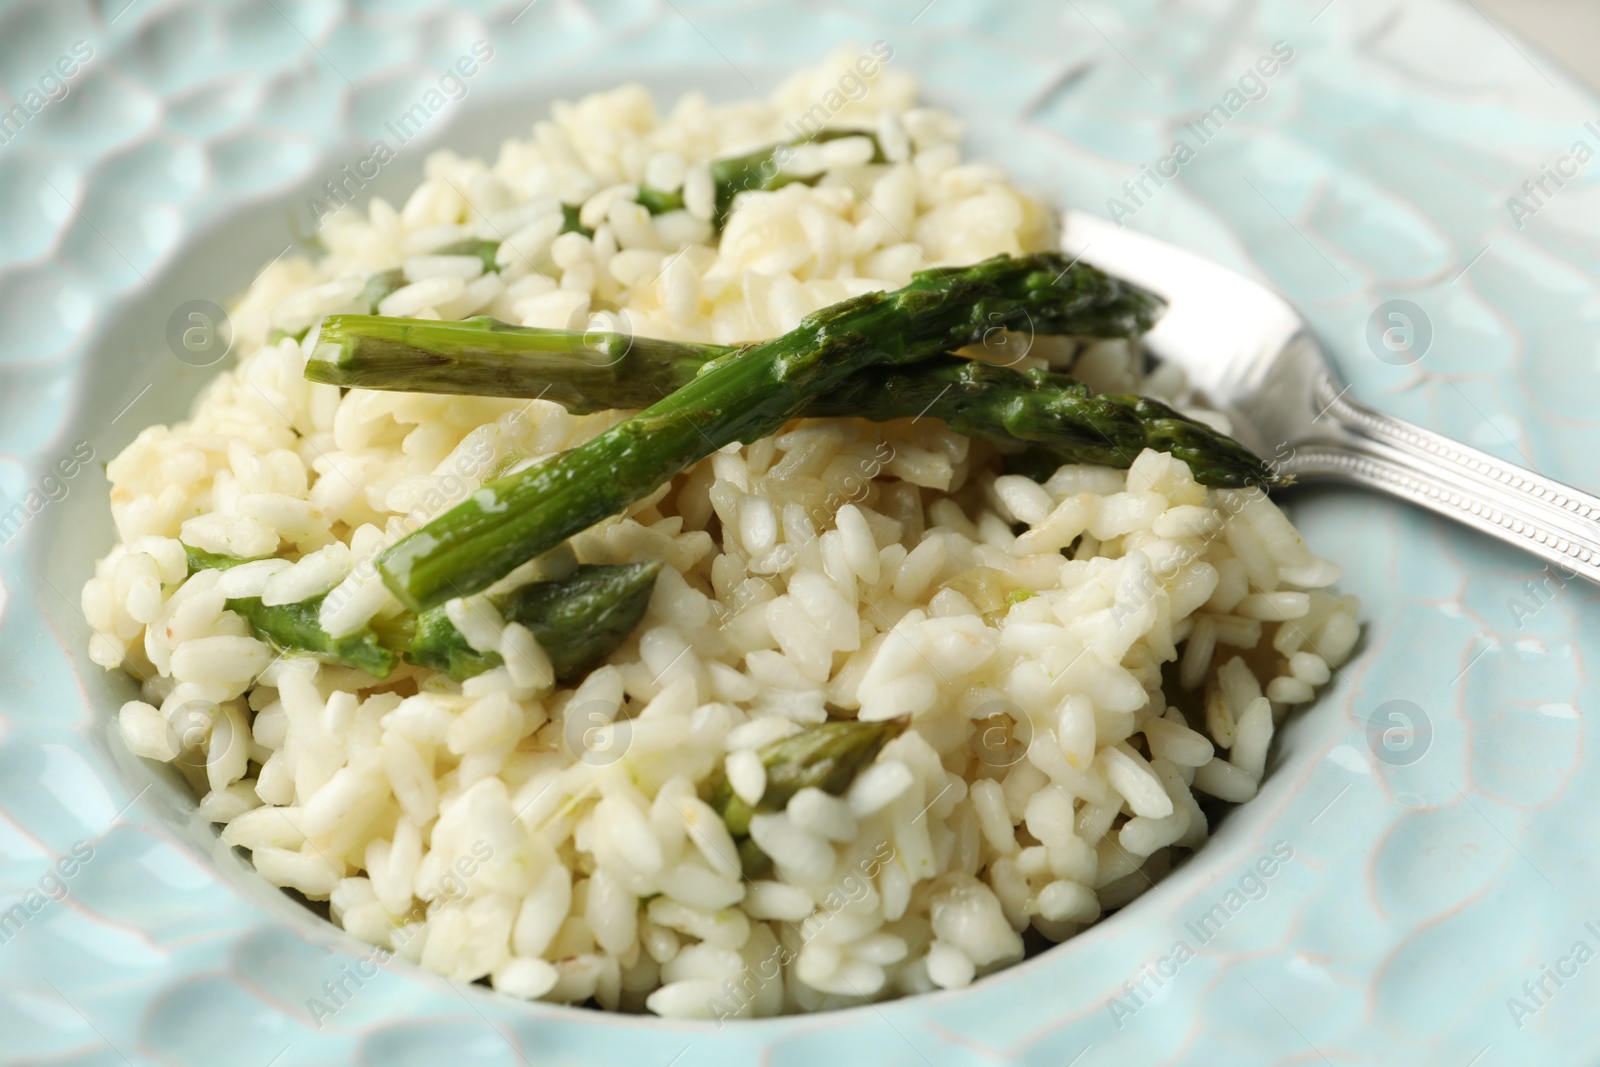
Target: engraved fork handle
(1551, 520)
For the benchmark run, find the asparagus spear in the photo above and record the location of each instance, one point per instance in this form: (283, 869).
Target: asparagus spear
(431, 640)
(583, 372)
(578, 621)
(1059, 415)
(827, 756)
(745, 396)
(595, 371)
(294, 628)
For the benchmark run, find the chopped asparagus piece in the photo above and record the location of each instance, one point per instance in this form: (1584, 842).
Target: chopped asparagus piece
(730, 177)
(569, 220)
(201, 560)
(659, 203)
(380, 285)
(433, 641)
(384, 282)
(578, 621)
(474, 246)
(762, 170)
(294, 628)
(827, 756)
(581, 618)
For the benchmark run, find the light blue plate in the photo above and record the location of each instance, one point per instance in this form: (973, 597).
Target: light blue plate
(1434, 871)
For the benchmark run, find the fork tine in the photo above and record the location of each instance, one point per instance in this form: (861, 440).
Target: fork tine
(1222, 328)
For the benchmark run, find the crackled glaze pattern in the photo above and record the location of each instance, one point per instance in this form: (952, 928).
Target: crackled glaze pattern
(1422, 893)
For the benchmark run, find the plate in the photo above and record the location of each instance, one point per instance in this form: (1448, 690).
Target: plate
(1411, 886)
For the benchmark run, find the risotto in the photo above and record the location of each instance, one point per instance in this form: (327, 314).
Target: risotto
(1070, 673)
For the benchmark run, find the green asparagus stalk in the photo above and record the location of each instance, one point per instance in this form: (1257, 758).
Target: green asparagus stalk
(431, 640)
(827, 756)
(578, 621)
(745, 396)
(1053, 412)
(294, 628)
(596, 371)
(583, 372)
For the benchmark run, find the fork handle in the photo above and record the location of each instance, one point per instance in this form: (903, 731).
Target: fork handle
(1547, 518)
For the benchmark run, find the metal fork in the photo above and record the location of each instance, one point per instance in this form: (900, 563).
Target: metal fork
(1253, 357)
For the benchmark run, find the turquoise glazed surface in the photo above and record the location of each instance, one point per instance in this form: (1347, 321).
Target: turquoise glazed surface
(1425, 845)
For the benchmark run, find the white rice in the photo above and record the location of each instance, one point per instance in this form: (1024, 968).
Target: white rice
(554, 841)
